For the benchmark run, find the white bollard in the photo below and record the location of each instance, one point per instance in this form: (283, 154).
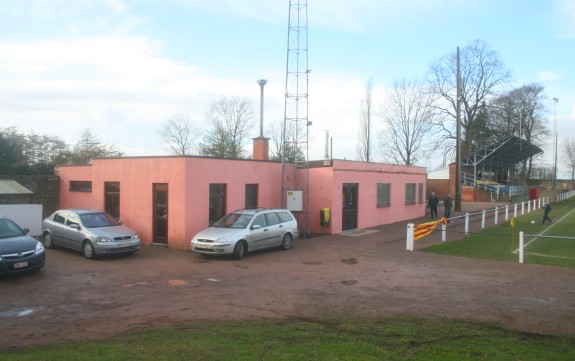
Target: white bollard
(515, 210)
(443, 232)
(483, 219)
(506, 212)
(521, 247)
(496, 214)
(522, 208)
(528, 206)
(466, 223)
(409, 242)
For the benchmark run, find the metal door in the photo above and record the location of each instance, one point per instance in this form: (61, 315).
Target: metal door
(160, 207)
(349, 206)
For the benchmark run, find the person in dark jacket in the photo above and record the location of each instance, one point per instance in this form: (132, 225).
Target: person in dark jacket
(447, 203)
(546, 211)
(432, 205)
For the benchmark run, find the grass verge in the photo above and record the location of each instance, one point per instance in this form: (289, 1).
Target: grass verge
(342, 339)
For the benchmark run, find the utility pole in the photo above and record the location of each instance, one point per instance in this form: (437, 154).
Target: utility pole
(556, 100)
(458, 143)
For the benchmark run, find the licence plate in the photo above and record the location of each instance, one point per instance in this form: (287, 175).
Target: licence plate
(20, 264)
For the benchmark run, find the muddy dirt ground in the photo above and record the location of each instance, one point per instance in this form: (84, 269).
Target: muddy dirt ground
(367, 273)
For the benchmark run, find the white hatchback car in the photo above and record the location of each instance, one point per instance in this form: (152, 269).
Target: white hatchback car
(247, 230)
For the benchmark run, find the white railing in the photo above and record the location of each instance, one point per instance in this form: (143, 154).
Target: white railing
(509, 209)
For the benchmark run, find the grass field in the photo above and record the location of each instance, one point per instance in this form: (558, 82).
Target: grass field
(549, 243)
(293, 340)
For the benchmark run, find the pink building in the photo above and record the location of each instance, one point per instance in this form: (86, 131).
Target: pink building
(169, 199)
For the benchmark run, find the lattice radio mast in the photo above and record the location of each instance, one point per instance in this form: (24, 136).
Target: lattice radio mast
(296, 93)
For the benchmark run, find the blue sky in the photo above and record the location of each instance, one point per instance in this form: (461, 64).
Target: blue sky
(123, 67)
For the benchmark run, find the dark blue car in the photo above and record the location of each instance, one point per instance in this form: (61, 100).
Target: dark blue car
(19, 252)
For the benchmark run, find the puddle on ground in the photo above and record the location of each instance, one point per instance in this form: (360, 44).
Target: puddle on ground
(21, 312)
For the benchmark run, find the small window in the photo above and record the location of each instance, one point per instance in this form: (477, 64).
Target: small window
(285, 216)
(410, 193)
(383, 195)
(80, 186)
(60, 218)
(272, 218)
(251, 196)
(259, 221)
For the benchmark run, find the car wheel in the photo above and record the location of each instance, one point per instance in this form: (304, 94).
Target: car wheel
(287, 241)
(48, 241)
(240, 250)
(88, 250)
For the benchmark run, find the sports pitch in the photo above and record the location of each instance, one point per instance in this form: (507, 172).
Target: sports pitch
(549, 243)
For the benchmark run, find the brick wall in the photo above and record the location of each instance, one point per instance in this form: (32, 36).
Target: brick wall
(46, 189)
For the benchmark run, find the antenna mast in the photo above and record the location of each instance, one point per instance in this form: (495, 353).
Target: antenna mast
(296, 93)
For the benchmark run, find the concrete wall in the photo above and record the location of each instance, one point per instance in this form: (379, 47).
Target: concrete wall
(188, 179)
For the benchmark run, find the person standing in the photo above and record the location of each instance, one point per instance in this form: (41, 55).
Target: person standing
(447, 203)
(432, 205)
(546, 211)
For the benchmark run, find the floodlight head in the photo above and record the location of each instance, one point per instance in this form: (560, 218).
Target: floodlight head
(262, 82)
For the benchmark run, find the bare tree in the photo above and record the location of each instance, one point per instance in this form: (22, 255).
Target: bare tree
(521, 112)
(569, 154)
(231, 119)
(482, 75)
(292, 148)
(365, 129)
(179, 134)
(408, 122)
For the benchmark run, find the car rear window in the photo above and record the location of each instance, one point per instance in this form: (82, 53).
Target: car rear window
(285, 216)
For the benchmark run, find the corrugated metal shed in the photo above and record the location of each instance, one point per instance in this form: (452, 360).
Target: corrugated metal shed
(13, 187)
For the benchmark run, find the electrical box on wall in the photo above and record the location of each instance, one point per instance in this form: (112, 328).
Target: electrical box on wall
(295, 201)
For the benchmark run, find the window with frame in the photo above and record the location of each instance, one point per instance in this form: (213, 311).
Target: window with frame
(420, 193)
(251, 196)
(383, 195)
(80, 186)
(217, 202)
(409, 193)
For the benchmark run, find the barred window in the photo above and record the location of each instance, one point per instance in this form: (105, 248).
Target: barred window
(383, 195)
(420, 193)
(80, 186)
(410, 193)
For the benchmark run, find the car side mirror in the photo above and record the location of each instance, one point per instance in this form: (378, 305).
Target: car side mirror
(25, 230)
(75, 226)
(256, 226)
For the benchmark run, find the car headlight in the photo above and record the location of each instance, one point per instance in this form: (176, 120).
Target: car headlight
(103, 239)
(39, 248)
(135, 236)
(223, 239)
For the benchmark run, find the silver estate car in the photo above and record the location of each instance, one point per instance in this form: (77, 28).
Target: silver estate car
(247, 230)
(90, 231)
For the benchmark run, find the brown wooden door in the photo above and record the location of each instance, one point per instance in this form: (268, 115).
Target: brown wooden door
(160, 207)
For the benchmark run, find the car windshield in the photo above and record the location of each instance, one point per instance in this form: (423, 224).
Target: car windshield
(9, 229)
(100, 219)
(234, 220)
